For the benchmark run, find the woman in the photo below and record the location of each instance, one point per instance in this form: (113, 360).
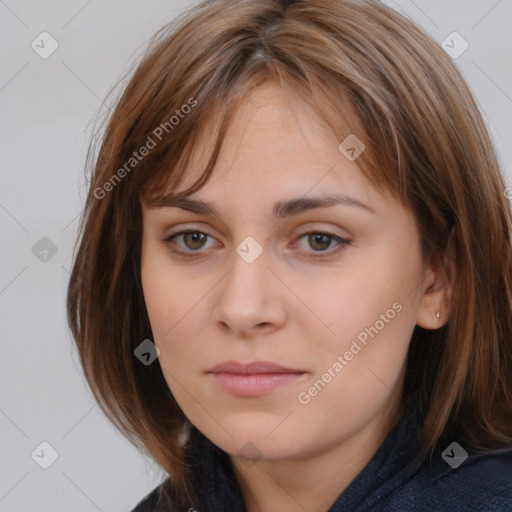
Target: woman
(293, 284)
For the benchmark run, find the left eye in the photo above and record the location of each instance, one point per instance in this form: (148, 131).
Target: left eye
(320, 241)
(194, 241)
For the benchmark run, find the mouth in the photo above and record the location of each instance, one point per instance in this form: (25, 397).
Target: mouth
(255, 378)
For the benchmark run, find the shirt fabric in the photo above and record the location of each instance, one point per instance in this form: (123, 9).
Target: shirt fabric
(393, 481)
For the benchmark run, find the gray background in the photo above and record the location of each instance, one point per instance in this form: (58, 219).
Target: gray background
(46, 110)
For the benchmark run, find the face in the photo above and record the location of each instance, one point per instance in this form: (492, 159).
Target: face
(282, 330)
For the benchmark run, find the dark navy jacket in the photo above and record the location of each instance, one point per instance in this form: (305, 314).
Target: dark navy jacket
(393, 481)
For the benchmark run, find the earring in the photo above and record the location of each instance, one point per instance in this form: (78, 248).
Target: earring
(438, 315)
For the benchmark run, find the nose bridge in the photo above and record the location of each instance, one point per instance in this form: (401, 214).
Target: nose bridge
(247, 296)
(245, 283)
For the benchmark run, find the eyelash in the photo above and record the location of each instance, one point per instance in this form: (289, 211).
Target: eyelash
(342, 243)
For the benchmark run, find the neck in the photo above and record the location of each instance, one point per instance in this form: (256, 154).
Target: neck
(312, 481)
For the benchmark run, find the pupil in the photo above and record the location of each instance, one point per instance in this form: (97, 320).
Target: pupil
(197, 238)
(323, 240)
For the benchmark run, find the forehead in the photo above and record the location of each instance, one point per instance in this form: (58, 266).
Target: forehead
(275, 147)
(274, 137)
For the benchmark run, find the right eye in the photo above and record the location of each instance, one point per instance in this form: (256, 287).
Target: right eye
(191, 242)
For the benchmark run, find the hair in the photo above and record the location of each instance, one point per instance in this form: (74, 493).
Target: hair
(366, 70)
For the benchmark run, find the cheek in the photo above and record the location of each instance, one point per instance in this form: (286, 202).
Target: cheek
(159, 294)
(368, 312)
(179, 306)
(348, 304)
(171, 297)
(357, 369)
(173, 311)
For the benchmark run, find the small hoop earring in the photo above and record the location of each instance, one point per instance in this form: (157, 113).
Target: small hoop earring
(438, 315)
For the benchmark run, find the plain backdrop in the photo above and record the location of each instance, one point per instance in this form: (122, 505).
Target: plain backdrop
(46, 110)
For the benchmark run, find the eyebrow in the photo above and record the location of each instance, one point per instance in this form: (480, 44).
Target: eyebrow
(283, 208)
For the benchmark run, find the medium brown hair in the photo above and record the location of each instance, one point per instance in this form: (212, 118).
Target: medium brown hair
(368, 71)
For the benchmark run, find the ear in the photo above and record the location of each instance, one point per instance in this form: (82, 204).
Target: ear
(437, 290)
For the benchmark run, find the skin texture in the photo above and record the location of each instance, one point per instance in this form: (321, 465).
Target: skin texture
(287, 306)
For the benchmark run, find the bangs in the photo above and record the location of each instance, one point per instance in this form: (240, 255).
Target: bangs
(165, 172)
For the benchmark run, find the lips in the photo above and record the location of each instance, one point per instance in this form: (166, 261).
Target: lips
(255, 367)
(255, 378)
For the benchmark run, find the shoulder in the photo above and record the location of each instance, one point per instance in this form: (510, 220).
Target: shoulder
(150, 503)
(482, 483)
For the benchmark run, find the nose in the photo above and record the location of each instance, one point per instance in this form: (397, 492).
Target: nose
(250, 299)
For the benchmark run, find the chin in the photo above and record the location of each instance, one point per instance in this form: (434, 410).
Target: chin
(257, 438)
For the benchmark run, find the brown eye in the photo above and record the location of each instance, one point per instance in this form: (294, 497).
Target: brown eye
(194, 240)
(193, 244)
(319, 241)
(189, 243)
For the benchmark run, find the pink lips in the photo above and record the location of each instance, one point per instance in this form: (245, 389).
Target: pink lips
(253, 379)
